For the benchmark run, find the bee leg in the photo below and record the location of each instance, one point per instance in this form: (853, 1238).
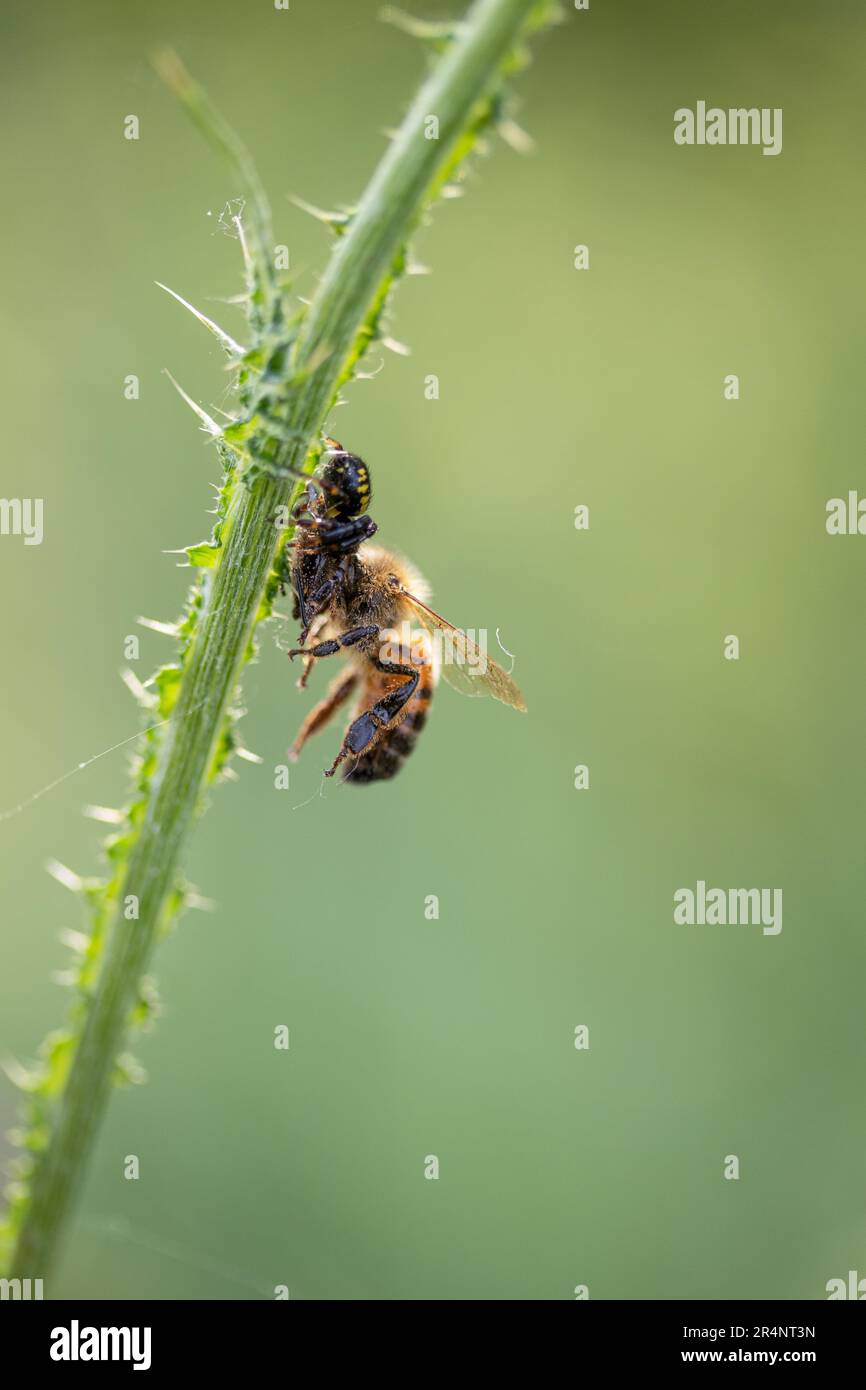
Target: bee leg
(319, 596)
(317, 599)
(316, 626)
(321, 713)
(365, 732)
(333, 645)
(301, 606)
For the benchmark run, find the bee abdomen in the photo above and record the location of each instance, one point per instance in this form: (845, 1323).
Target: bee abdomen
(385, 760)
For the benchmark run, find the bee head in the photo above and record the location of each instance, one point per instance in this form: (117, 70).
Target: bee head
(345, 481)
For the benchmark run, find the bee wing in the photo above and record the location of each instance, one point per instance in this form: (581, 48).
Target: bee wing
(464, 665)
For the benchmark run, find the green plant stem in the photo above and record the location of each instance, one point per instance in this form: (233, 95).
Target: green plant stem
(388, 210)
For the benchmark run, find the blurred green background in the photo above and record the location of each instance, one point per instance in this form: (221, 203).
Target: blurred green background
(455, 1037)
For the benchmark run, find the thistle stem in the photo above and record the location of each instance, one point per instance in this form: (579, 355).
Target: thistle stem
(385, 216)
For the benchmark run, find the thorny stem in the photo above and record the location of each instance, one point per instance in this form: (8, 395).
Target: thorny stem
(385, 215)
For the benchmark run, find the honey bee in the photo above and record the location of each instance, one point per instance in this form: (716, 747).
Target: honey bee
(369, 605)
